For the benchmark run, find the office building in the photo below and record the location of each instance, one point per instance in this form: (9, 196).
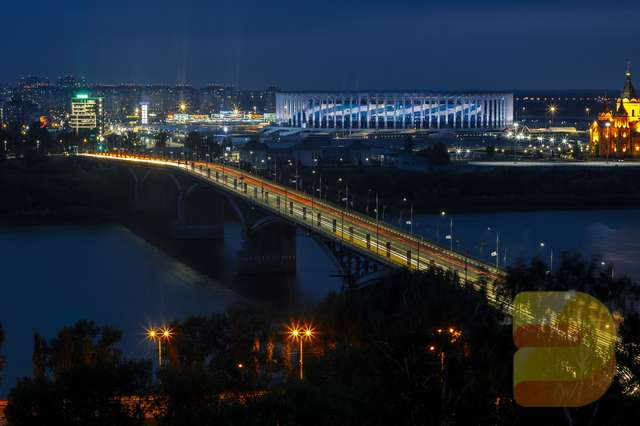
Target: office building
(86, 113)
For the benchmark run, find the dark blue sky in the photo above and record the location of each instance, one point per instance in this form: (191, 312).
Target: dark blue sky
(330, 44)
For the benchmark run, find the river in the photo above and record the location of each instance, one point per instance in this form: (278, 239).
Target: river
(55, 276)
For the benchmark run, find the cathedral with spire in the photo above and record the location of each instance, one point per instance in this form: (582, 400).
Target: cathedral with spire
(616, 132)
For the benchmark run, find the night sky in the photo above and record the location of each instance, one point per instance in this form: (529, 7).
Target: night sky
(330, 44)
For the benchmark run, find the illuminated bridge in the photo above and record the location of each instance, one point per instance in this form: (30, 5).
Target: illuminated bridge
(360, 246)
(394, 110)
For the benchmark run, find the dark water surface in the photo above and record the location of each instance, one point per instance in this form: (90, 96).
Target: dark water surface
(55, 276)
(612, 236)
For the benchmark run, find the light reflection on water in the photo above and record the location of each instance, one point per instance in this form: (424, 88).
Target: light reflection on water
(612, 235)
(55, 276)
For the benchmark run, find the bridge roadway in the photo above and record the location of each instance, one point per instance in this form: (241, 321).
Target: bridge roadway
(374, 239)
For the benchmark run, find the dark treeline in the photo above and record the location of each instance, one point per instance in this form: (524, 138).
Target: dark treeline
(419, 348)
(38, 189)
(22, 139)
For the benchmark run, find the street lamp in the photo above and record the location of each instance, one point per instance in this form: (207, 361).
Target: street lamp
(298, 333)
(450, 236)
(515, 132)
(410, 221)
(608, 126)
(158, 335)
(496, 253)
(603, 263)
(552, 109)
(550, 255)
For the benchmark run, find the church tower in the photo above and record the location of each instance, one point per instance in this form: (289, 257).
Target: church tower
(616, 134)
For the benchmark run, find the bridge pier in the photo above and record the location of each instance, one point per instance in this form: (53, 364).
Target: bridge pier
(269, 246)
(355, 268)
(163, 199)
(200, 214)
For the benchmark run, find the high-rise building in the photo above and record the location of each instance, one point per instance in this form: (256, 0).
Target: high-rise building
(144, 113)
(86, 113)
(251, 101)
(211, 99)
(270, 99)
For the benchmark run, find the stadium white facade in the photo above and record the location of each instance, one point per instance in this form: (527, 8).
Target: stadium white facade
(353, 110)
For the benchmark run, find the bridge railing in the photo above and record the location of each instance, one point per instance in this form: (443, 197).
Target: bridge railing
(189, 165)
(383, 225)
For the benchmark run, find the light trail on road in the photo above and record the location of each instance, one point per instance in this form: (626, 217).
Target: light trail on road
(374, 239)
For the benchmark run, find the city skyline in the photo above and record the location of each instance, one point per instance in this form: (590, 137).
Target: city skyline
(86, 83)
(302, 47)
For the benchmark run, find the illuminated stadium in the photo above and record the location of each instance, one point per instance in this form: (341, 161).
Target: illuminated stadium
(394, 110)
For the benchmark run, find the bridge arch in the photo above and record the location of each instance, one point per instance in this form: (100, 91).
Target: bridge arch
(267, 221)
(161, 192)
(200, 205)
(240, 214)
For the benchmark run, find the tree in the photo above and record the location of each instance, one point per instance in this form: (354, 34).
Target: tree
(80, 378)
(213, 147)
(39, 365)
(130, 141)
(161, 139)
(491, 151)
(440, 154)
(2, 359)
(409, 144)
(193, 141)
(436, 154)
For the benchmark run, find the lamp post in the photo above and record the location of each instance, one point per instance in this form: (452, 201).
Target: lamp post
(158, 335)
(515, 137)
(608, 126)
(496, 253)
(450, 236)
(410, 221)
(552, 112)
(346, 197)
(299, 334)
(542, 244)
(603, 263)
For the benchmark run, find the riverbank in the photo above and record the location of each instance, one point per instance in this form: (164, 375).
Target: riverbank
(468, 189)
(60, 190)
